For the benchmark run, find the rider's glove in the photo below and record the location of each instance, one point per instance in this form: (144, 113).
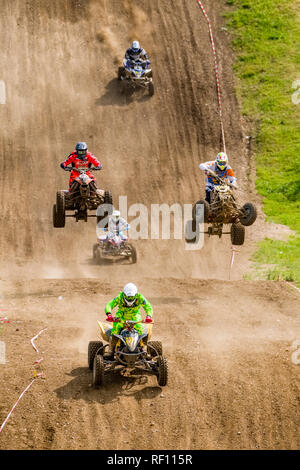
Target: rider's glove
(109, 317)
(62, 166)
(97, 168)
(148, 319)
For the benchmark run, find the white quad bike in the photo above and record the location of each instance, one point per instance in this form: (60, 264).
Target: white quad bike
(113, 248)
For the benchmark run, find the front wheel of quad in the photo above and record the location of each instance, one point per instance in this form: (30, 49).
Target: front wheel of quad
(54, 217)
(99, 258)
(120, 72)
(98, 370)
(93, 348)
(59, 210)
(162, 377)
(249, 214)
(133, 255)
(196, 210)
(154, 348)
(237, 234)
(151, 89)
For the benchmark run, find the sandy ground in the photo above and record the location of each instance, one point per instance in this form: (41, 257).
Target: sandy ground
(228, 343)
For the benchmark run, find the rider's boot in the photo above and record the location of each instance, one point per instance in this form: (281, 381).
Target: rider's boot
(109, 353)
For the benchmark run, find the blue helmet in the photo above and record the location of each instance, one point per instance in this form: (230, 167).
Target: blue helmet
(81, 149)
(135, 46)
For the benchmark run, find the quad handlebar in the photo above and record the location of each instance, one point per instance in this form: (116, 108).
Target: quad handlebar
(80, 170)
(220, 180)
(131, 322)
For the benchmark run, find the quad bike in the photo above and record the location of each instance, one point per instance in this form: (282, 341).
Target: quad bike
(132, 351)
(135, 75)
(223, 209)
(113, 247)
(82, 197)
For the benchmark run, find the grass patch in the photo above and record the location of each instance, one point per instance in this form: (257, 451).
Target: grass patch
(266, 38)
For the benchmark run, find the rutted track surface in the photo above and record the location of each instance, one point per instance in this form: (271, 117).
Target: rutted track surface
(235, 375)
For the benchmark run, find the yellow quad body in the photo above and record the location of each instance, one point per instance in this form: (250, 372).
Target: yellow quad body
(104, 330)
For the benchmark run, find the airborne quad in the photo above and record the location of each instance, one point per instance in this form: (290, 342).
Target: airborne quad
(82, 198)
(135, 74)
(113, 247)
(223, 209)
(132, 351)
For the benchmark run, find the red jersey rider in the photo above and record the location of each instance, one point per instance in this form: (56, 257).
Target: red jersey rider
(81, 158)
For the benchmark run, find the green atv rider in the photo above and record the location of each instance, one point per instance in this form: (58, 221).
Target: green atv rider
(129, 302)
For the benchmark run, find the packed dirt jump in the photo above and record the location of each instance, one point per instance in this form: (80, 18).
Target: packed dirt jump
(232, 382)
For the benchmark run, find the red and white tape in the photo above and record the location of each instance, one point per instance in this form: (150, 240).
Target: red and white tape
(10, 413)
(35, 374)
(219, 94)
(35, 337)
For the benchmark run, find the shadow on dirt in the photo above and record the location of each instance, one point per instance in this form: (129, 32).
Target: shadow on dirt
(113, 95)
(106, 262)
(117, 384)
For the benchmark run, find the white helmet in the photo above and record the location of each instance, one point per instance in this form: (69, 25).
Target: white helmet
(115, 216)
(222, 161)
(135, 46)
(130, 292)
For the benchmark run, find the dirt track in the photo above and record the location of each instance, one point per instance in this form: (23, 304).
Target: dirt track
(235, 381)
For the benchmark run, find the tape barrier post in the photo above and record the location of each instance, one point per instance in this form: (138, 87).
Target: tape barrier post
(36, 375)
(234, 251)
(216, 70)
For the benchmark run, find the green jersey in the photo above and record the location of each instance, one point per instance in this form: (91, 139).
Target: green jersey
(129, 313)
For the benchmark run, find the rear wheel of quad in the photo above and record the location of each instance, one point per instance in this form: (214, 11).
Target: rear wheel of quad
(59, 211)
(133, 255)
(95, 249)
(206, 210)
(191, 231)
(98, 370)
(162, 377)
(151, 89)
(237, 234)
(154, 348)
(93, 348)
(108, 200)
(54, 217)
(250, 214)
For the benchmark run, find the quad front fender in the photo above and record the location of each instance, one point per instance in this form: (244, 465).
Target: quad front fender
(102, 331)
